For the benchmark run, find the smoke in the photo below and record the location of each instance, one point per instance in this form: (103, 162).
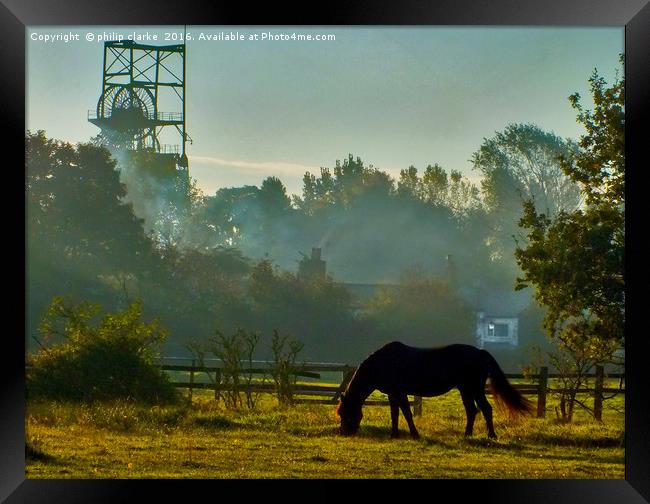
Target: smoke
(154, 192)
(375, 238)
(374, 241)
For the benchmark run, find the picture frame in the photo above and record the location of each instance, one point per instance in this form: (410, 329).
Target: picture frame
(634, 15)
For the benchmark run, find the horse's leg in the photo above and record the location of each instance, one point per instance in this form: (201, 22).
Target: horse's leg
(406, 410)
(470, 410)
(394, 415)
(486, 409)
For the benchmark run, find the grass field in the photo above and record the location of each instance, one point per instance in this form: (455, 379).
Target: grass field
(205, 440)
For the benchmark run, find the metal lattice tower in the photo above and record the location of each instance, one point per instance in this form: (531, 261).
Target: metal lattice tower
(136, 77)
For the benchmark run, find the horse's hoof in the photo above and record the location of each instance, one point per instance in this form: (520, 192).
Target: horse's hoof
(492, 436)
(415, 436)
(394, 435)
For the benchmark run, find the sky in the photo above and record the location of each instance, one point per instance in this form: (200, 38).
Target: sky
(394, 96)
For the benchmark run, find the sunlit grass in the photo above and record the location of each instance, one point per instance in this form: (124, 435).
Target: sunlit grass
(205, 440)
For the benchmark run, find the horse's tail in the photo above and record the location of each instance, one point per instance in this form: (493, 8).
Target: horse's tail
(505, 394)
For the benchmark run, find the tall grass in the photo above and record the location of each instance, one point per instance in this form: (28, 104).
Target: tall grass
(205, 439)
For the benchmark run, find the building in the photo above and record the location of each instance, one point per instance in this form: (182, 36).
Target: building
(500, 330)
(497, 310)
(498, 313)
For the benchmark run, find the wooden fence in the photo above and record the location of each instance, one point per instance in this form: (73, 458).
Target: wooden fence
(539, 384)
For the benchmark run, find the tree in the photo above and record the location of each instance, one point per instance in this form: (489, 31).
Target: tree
(351, 181)
(80, 230)
(531, 157)
(576, 260)
(463, 196)
(318, 193)
(273, 197)
(523, 163)
(76, 207)
(435, 185)
(316, 310)
(436, 188)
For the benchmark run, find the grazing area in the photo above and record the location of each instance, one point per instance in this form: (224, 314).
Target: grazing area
(120, 439)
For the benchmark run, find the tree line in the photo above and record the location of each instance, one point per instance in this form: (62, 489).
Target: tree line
(548, 213)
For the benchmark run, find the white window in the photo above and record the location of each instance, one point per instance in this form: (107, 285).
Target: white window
(497, 330)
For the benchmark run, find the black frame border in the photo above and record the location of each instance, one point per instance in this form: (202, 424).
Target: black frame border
(634, 15)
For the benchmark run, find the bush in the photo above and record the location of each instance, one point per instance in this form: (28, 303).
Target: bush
(421, 310)
(236, 353)
(284, 367)
(110, 359)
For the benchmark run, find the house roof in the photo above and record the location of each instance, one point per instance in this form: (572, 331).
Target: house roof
(363, 292)
(498, 302)
(494, 302)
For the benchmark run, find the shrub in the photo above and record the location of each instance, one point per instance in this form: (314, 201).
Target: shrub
(284, 367)
(425, 311)
(108, 359)
(236, 354)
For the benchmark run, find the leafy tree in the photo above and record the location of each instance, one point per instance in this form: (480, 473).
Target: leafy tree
(79, 228)
(351, 180)
(446, 192)
(318, 193)
(531, 157)
(409, 184)
(437, 188)
(75, 204)
(435, 185)
(273, 196)
(522, 163)
(463, 196)
(283, 292)
(576, 261)
(316, 310)
(249, 217)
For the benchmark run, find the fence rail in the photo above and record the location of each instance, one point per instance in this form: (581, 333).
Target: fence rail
(175, 117)
(538, 384)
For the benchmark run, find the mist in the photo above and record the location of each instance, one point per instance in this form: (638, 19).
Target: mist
(195, 259)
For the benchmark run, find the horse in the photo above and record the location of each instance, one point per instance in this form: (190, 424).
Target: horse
(399, 370)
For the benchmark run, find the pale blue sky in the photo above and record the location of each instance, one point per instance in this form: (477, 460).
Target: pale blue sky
(395, 96)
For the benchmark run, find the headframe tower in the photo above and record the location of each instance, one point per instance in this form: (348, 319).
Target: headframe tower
(138, 82)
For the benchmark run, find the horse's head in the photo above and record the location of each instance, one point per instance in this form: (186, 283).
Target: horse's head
(350, 413)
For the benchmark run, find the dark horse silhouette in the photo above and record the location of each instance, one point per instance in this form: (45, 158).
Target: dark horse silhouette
(400, 370)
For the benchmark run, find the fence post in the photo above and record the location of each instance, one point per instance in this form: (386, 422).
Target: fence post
(598, 393)
(217, 384)
(347, 376)
(417, 405)
(191, 380)
(541, 392)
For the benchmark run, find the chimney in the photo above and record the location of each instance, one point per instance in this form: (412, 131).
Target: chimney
(313, 267)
